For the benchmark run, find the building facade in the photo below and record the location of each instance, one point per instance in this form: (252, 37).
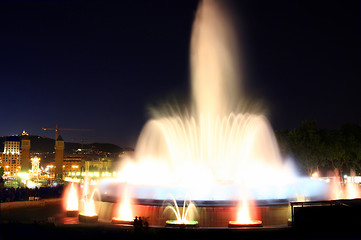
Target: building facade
(10, 158)
(25, 154)
(73, 166)
(59, 157)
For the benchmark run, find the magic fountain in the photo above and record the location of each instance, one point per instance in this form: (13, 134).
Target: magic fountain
(218, 150)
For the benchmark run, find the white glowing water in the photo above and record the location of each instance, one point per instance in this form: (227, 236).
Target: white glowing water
(87, 204)
(185, 215)
(71, 198)
(212, 148)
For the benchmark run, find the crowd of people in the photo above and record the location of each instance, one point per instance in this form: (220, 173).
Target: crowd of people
(23, 194)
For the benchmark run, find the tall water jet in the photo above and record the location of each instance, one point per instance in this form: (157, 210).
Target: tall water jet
(246, 213)
(71, 199)
(215, 63)
(88, 212)
(124, 212)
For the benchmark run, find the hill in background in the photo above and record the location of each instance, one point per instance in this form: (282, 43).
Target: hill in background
(43, 144)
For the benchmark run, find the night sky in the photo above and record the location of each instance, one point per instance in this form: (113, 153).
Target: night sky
(101, 64)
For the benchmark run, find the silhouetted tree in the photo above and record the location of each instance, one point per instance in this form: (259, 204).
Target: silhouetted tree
(305, 143)
(313, 148)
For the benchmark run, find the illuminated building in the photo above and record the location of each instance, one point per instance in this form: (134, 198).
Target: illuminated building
(103, 164)
(10, 158)
(24, 133)
(16, 155)
(25, 153)
(59, 157)
(73, 166)
(50, 171)
(35, 169)
(12, 145)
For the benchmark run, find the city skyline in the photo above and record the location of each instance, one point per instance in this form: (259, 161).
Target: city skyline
(100, 65)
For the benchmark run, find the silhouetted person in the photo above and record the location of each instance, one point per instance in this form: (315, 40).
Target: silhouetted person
(135, 222)
(140, 222)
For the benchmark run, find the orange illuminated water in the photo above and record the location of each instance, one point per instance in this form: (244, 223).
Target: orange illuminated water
(246, 213)
(124, 210)
(348, 189)
(71, 198)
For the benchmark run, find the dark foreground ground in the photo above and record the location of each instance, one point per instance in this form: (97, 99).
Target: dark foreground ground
(42, 222)
(99, 231)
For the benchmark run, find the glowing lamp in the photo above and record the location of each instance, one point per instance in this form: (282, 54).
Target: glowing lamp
(181, 223)
(122, 222)
(251, 223)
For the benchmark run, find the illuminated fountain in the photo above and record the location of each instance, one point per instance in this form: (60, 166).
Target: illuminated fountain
(88, 213)
(344, 190)
(219, 146)
(184, 219)
(71, 200)
(124, 213)
(245, 214)
(216, 141)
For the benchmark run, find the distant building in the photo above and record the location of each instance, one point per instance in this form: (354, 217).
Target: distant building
(25, 154)
(10, 158)
(101, 164)
(12, 145)
(24, 133)
(73, 166)
(59, 157)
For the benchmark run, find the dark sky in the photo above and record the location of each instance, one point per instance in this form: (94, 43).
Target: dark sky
(101, 64)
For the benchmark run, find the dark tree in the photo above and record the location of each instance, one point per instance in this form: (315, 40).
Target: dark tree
(331, 149)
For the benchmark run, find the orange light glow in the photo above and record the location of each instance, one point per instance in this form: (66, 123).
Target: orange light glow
(71, 198)
(245, 215)
(124, 210)
(348, 190)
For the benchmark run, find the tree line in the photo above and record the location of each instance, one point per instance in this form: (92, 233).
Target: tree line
(315, 149)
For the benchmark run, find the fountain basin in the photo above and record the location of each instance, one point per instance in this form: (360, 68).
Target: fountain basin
(210, 214)
(178, 223)
(252, 223)
(72, 213)
(122, 222)
(88, 219)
